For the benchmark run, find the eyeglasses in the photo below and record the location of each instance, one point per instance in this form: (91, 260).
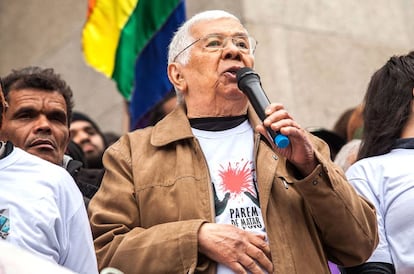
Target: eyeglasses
(214, 42)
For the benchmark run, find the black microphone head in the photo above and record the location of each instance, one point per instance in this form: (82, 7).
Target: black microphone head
(245, 74)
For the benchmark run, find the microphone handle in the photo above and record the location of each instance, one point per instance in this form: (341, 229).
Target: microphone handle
(259, 102)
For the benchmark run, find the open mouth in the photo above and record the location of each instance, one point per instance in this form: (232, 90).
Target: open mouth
(231, 73)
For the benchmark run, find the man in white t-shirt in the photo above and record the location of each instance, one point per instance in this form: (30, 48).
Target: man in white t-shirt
(42, 210)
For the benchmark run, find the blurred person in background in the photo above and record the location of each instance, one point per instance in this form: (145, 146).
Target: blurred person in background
(341, 124)
(87, 135)
(348, 154)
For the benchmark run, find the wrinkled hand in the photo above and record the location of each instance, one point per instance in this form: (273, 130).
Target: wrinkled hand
(239, 250)
(300, 150)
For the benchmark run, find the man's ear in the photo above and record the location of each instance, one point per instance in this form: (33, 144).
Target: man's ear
(176, 76)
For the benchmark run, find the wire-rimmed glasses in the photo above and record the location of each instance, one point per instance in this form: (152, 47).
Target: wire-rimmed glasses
(214, 42)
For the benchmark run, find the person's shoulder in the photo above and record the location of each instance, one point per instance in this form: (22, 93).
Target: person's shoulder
(367, 167)
(40, 168)
(138, 132)
(32, 161)
(141, 135)
(40, 180)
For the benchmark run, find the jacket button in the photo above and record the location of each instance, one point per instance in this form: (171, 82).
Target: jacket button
(315, 183)
(274, 156)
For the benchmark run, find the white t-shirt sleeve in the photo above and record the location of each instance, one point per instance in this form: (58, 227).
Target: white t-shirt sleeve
(77, 241)
(367, 183)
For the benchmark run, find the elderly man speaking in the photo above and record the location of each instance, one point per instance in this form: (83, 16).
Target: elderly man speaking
(206, 191)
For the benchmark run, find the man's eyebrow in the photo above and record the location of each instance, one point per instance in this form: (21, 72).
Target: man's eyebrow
(241, 34)
(25, 109)
(57, 113)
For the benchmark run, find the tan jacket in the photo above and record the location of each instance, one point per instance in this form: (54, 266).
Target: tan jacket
(157, 192)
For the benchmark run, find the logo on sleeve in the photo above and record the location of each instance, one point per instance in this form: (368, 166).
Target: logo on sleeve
(4, 223)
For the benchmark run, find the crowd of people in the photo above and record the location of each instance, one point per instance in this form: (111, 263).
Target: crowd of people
(205, 189)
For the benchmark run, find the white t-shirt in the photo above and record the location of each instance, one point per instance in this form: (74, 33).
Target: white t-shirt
(229, 154)
(388, 182)
(42, 211)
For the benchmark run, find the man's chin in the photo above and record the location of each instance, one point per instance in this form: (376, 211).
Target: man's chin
(47, 155)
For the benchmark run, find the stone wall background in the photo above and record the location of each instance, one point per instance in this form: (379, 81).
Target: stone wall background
(315, 56)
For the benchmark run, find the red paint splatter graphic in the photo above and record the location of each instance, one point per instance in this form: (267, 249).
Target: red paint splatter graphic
(238, 179)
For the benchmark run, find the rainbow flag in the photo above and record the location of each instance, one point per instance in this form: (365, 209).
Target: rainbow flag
(127, 40)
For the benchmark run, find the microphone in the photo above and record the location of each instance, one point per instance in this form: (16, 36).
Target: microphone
(248, 82)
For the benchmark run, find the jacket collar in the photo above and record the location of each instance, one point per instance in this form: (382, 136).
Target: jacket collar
(175, 126)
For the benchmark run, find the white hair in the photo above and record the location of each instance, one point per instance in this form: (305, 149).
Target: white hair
(183, 37)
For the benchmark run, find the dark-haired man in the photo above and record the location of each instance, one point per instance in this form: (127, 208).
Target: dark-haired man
(38, 118)
(41, 209)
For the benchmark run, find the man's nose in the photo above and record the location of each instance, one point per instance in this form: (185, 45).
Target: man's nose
(81, 136)
(42, 124)
(230, 50)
